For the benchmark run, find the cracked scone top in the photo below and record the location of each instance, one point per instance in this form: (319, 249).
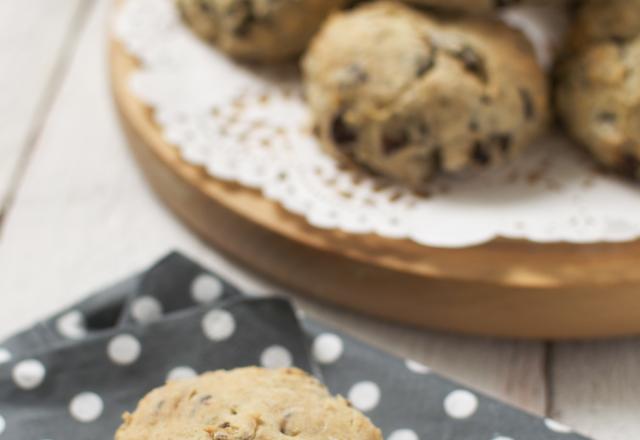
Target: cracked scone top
(246, 404)
(405, 94)
(598, 83)
(257, 30)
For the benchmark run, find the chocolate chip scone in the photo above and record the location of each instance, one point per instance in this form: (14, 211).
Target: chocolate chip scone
(246, 404)
(258, 30)
(406, 94)
(598, 83)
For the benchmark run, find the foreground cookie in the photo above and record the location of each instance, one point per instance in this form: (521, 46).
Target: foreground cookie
(260, 30)
(246, 404)
(598, 83)
(405, 94)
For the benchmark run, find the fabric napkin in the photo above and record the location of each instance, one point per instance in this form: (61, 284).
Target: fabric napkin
(74, 374)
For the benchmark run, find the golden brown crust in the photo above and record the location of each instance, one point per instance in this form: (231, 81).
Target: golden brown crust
(597, 83)
(246, 404)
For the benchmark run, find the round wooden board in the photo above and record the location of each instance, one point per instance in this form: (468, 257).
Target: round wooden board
(503, 288)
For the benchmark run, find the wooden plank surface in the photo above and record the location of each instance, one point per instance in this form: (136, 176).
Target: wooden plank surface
(595, 386)
(83, 216)
(35, 36)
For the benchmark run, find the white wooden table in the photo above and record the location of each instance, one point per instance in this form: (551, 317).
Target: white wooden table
(76, 214)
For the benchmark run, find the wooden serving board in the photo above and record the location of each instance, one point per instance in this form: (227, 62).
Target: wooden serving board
(505, 288)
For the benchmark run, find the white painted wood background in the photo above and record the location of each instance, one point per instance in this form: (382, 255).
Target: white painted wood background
(75, 214)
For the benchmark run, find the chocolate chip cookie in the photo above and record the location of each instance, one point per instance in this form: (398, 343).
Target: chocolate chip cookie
(598, 83)
(407, 94)
(258, 30)
(246, 404)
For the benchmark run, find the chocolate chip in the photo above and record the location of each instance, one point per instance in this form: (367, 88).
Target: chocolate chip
(504, 3)
(479, 154)
(502, 141)
(436, 158)
(607, 117)
(473, 126)
(285, 428)
(486, 99)
(244, 18)
(528, 107)
(473, 62)
(629, 166)
(244, 27)
(341, 133)
(425, 63)
(357, 74)
(205, 6)
(618, 40)
(394, 141)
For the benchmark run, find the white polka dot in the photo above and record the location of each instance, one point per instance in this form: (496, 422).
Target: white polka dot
(124, 349)
(5, 356)
(29, 374)
(146, 309)
(502, 437)
(72, 325)
(206, 288)
(364, 395)
(218, 325)
(403, 434)
(557, 426)
(86, 407)
(276, 357)
(417, 367)
(180, 373)
(3, 424)
(327, 348)
(460, 404)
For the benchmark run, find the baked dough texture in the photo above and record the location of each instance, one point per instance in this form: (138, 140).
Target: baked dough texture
(246, 404)
(257, 30)
(406, 94)
(597, 90)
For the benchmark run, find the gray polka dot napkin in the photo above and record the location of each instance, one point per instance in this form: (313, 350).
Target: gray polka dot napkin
(73, 375)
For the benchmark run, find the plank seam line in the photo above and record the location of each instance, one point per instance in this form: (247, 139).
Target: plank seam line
(45, 104)
(549, 389)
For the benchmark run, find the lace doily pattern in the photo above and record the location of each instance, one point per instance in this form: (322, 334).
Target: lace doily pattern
(249, 125)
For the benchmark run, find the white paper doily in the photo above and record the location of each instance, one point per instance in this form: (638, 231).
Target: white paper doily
(251, 126)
